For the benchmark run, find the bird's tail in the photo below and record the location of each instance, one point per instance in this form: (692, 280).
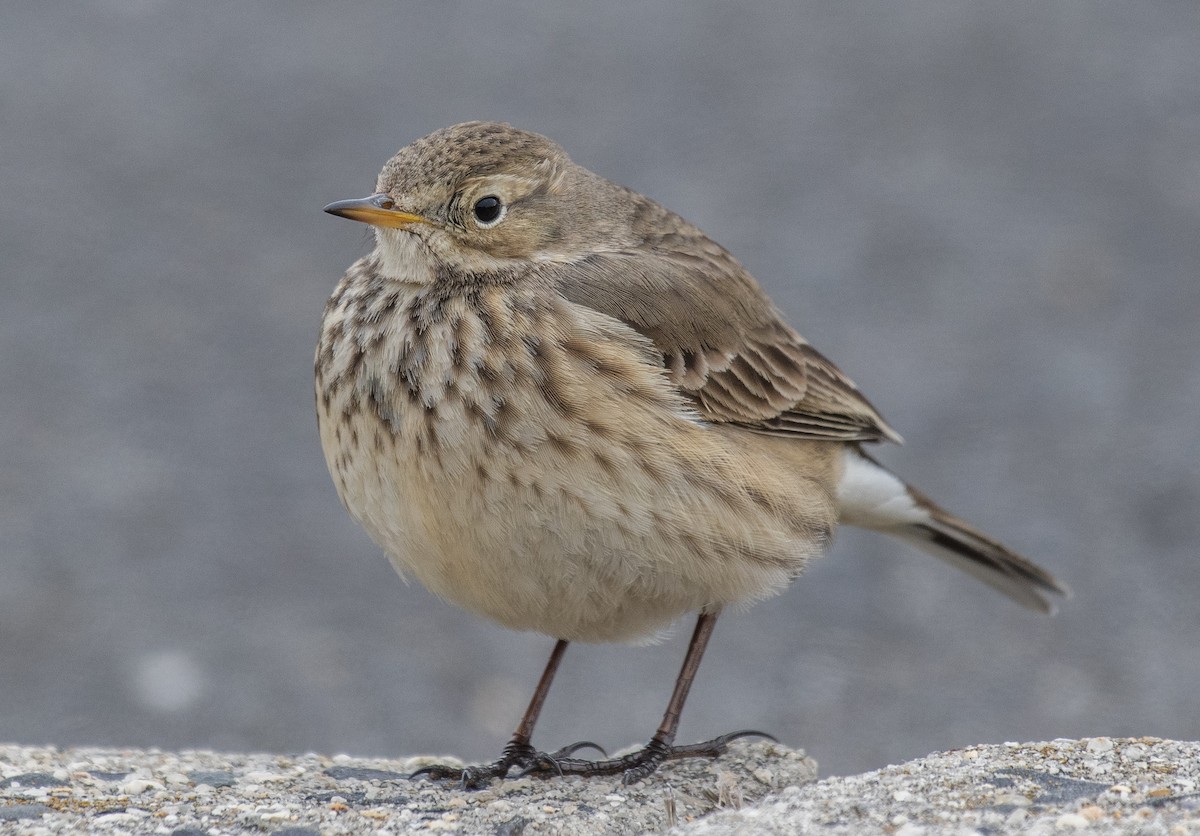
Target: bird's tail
(871, 496)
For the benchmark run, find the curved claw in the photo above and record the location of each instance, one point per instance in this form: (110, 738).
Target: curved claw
(567, 751)
(543, 765)
(738, 735)
(713, 748)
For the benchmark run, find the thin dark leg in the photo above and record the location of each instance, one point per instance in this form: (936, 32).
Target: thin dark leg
(683, 683)
(643, 762)
(518, 751)
(524, 732)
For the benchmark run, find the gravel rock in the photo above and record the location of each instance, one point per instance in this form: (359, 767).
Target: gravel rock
(1100, 785)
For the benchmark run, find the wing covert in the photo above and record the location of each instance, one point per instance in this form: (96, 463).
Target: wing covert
(723, 342)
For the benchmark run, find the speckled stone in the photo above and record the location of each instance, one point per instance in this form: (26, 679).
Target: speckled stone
(1103, 785)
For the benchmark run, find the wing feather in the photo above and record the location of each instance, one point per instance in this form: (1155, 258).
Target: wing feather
(723, 342)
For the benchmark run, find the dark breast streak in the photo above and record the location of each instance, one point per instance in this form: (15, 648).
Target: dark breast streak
(495, 388)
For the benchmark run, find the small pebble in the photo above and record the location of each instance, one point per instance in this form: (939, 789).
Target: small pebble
(137, 786)
(262, 777)
(1070, 821)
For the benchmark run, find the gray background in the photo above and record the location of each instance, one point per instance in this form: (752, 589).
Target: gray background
(989, 216)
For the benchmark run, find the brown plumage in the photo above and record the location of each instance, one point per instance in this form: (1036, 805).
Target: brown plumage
(562, 406)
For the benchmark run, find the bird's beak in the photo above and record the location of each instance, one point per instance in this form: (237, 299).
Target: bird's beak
(377, 210)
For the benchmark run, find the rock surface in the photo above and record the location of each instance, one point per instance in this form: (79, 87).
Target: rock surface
(1101, 785)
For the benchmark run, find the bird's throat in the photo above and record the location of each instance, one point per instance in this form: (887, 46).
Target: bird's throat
(404, 257)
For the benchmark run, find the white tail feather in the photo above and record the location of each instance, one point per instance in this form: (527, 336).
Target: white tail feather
(871, 496)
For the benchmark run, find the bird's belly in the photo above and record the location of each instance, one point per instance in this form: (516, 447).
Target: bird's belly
(548, 497)
(539, 539)
(553, 541)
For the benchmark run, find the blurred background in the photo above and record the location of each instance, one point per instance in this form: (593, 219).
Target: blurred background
(988, 216)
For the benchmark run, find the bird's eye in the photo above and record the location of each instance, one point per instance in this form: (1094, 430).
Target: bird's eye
(489, 210)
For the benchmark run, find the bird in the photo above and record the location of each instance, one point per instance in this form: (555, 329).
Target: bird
(561, 406)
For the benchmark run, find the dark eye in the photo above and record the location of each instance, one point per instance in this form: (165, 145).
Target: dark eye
(488, 210)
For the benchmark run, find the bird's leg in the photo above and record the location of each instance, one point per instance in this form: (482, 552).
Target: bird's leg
(643, 762)
(518, 751)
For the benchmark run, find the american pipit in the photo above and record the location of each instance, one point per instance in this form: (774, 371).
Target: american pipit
(561, 406)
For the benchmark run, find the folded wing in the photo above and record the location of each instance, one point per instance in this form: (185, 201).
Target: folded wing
(724, 344)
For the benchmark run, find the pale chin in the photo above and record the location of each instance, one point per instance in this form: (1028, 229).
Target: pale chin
(403, 256)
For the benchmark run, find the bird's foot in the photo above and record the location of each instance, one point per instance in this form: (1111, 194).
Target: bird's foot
(517, 753)
(637, 765)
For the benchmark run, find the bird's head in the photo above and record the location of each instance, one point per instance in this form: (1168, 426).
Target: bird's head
(481, 198)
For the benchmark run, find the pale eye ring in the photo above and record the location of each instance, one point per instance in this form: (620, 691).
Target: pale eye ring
(489, 210)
